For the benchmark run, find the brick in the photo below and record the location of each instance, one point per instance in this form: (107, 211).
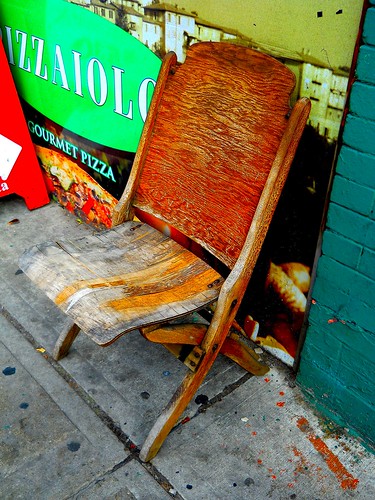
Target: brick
(354, 226)
(360, 96)
(326, 292)
(316, 380)
(363, 288)
(344, 280)
(351, 195)
(365, 70)
(360, 313)
(358, 341)
(359, 133)
(325, 358)
(334, 330)
(320, 320)
(340, 335)
(367, 263)
(357, 382)
(323, 388)
(357, 412)
(362, 355)
(356, 166)
(370, 237)
(329, 344)
(358, 346)
(369, 27)
(341, 249)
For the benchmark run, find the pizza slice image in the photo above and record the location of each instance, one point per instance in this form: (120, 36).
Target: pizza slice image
(75, 189)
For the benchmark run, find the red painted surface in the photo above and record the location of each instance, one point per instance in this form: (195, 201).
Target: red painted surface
(19, 168)
(347, 481)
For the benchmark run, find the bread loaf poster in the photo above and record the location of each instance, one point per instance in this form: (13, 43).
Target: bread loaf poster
(85, 85)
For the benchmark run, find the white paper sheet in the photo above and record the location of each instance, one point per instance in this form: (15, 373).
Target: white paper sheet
(9, 152)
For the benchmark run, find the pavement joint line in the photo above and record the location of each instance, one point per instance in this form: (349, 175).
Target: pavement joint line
(106, 419)
(99, 412)
(100, 479)
(228, 389)
(160, 478)
(150, 469)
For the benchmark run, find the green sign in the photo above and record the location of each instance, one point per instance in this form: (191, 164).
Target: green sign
(79, 70)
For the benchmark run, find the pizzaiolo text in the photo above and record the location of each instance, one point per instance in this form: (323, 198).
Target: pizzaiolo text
(93, 80)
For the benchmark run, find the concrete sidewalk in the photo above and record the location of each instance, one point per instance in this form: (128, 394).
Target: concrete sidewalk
(71, 429)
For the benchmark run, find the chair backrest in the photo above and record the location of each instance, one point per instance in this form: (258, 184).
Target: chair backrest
(209, 143)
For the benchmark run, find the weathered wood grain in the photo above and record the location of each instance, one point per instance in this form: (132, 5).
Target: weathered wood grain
(122, 279)
(207, 178)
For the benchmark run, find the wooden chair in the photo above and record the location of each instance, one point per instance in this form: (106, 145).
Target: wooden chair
(212, 161)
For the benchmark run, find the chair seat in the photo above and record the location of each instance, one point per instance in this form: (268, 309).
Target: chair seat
(118, 280)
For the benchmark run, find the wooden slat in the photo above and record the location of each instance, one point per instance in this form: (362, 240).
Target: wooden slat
(189, 334)
(120, 280)
(236, 346)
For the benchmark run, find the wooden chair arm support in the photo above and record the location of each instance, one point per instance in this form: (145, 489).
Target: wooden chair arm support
(247, 259)
(234, 287)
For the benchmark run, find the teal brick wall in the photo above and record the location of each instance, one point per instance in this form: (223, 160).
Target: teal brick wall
(337, 367)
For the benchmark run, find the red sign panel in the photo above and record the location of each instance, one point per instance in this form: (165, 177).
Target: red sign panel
(19, 168)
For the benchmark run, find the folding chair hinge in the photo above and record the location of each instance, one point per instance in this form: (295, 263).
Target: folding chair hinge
(193, 359)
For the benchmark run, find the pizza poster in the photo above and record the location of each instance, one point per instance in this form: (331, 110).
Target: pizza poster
(85, 86)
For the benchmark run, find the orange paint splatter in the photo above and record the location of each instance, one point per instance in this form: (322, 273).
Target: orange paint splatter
(332, 320)
(282, 393)
(280, 403)
(267, 380)
(347, 481)
(296, 452)
(260, 461)
(254, 433)
(273, 477)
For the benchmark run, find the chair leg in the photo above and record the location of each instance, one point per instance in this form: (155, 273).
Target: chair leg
(176, 406)
(65, 341)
